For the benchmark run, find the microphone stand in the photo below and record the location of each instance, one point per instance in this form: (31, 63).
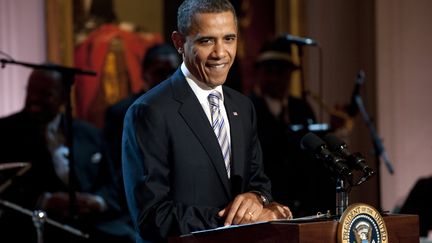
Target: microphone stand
(378, 146)
(341, 196)
(301, 70)
(40, 218)
(52, 67)
(68, 75)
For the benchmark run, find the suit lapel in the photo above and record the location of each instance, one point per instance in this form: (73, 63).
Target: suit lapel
(197, 121)
(237, 136)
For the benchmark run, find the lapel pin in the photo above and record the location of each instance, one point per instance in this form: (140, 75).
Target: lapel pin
(235, 113)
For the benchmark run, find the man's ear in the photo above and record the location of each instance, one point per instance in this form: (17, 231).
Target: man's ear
(178, 40)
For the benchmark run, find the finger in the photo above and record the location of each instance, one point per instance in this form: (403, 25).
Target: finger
(251, 213)
(232, 211)
(247, 218)
(222, 212)
(290, 215)
(252, 209)
(286, 212)
(242, 203)
(243, 212)
(240, 206)
(283, 213)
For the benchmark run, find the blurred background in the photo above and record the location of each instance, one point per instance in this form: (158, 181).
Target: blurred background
(388, 39)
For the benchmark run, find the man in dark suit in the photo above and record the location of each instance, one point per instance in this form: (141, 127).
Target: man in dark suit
(159, 62)
(180, 174)
(279, 114)
(36, 135)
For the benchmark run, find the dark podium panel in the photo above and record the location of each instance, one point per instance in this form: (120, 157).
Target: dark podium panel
(400, 228)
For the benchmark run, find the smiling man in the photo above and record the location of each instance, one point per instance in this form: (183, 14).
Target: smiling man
(191, 156)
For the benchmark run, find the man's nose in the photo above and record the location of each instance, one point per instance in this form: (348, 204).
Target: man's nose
(219, 50)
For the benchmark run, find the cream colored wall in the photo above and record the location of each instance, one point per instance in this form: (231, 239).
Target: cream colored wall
(22, 36)
(391, 41)
(345, 33)
(146, 13)
(404, 74)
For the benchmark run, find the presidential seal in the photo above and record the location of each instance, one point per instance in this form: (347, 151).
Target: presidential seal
(361, 223)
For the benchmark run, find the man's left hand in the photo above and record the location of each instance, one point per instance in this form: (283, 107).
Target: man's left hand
(244, 209)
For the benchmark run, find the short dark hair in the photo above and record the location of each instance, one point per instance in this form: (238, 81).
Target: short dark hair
(189, 8)
(49, 72)
(156, 51)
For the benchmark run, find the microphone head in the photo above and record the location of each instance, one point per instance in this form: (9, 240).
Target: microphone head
(334, 143)
(311, 143)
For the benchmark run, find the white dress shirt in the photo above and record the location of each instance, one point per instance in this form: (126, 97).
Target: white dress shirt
(202, 91)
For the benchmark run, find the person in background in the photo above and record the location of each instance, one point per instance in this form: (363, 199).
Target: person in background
(111, 47)
(419, 202)
(36, 135)
(282, 121)
(191, 155)
(159, 62)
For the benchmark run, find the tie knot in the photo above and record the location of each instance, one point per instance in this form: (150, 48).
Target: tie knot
(214, 97)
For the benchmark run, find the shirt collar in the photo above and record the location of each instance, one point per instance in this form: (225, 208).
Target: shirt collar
(201, 89)
(53, 126)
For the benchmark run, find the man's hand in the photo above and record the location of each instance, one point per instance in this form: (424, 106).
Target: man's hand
(274, 211)
(244, 209)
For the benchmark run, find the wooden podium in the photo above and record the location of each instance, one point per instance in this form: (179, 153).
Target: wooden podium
(400, 228)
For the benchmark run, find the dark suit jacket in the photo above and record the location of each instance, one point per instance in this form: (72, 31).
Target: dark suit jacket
(174, 173)
(22, 141)
(419, 201)
(113, 128)
(297, 180)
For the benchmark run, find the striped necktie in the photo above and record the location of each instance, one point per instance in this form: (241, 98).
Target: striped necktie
(219, 127)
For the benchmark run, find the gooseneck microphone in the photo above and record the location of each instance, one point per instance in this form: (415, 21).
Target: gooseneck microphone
(314, 145)
(355, 160)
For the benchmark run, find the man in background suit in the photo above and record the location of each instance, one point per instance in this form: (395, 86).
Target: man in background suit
(297, 180)
(159, 62)
(37, 135)
(178, 178)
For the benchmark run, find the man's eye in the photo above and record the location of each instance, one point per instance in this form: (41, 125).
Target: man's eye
(230, 39)
(205, 41)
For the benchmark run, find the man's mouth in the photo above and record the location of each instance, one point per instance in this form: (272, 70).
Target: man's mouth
(216, 66)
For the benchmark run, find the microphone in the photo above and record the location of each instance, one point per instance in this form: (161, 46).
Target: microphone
(301, 41)
(355, 160)
(352, 107)
(316, 146)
